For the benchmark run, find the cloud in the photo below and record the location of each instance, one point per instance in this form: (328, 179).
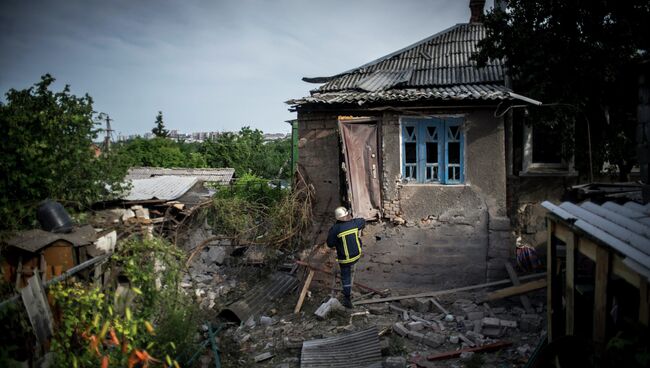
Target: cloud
(209, 65)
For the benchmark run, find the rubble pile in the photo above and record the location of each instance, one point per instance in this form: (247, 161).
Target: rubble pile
(410, 330)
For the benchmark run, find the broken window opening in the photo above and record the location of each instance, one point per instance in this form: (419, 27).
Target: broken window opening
(432, 150)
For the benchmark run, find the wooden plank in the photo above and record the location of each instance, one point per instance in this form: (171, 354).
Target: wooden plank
(550, 272)
(525, 302)
(355, 284)
(600, 295)
(569, 291)
(644, 302)
(456, 353)
(449, 291)
(38, 310)
(303, 293)
(440, 307)
(621, 270)
(516, 290)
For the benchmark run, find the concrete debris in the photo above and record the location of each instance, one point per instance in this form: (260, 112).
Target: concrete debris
(415, 326)
(466, 355)
(399, 329)
(395, 362)
(266, 321)
(324, 310)
(262, 357)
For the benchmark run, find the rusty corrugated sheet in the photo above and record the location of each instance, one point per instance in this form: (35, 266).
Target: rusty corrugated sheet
(259, 299)
(356, 349)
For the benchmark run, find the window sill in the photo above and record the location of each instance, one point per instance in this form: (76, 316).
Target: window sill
(434, 185)
(548, 172)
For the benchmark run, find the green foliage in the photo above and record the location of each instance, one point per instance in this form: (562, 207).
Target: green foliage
(246, 152)
(46, 153)
(581, 58)
(159, 321)
(159, 130)
(251, 188)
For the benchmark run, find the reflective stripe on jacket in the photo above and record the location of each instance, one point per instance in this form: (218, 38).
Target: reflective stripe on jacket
(344, 236)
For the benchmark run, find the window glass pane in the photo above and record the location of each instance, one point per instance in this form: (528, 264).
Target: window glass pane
(454, 133)
(432, 153)
(547, 146)
(410, 153)
(453, 173)
(432, 133)
(453, 152)
(410, 133)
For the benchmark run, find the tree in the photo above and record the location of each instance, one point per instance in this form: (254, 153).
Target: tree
(46, 153)
(579, 58)
(159, 130)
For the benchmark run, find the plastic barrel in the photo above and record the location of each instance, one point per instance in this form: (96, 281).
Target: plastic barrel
(53, 217)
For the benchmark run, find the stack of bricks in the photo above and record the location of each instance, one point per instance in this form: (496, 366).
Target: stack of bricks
(392, 209)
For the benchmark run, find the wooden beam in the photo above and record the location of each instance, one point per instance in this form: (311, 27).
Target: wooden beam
(355, 284)
(516, 290)
(644, 302)
(600, 295)
(569, 291)
(449, 291)
(303, 293)
(550, 273)
(525, 302)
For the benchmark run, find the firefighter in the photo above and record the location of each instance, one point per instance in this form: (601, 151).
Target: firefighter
(344, 236)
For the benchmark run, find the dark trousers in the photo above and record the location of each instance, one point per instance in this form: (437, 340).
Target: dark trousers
(347, 278)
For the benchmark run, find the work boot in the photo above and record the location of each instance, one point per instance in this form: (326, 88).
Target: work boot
(347, 302)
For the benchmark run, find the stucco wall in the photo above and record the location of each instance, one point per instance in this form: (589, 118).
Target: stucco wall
(318, 160)
(485, 176)
(454, 234)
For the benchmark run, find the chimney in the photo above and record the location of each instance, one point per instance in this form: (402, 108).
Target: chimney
(476, 7)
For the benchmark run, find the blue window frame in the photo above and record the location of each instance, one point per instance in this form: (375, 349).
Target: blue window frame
(432, 150)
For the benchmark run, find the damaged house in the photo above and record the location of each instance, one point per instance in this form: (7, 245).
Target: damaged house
(414, 137)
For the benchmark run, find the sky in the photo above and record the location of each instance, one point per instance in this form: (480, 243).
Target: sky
(207, 65)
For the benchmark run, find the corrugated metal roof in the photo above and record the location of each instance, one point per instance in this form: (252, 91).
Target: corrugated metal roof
(36, 239)
(219, 175)
(441, 60)
(160, 187)
(260, 297)
(459, 92)
(356, 349)
(625, 228)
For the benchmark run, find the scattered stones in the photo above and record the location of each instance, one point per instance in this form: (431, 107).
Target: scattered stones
(433, 339)
(489, 321)
(266, 321)
(476, 315)
(422, 305)
(394, 362)
(449, 318)
(377, 309)
(262, 357)
(415, 326)
(466, 355)
(415, 336)
(399, 329)
(454, 339)
(506, 323)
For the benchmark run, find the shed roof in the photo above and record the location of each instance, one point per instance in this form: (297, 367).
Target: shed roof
(437, 67)
(218, 175)
(37, 239)
(160, 187)
(625, 228)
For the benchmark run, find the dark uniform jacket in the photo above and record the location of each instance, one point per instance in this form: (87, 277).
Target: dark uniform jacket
(344, 236)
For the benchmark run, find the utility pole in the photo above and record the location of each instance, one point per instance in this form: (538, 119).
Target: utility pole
(109, 131)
